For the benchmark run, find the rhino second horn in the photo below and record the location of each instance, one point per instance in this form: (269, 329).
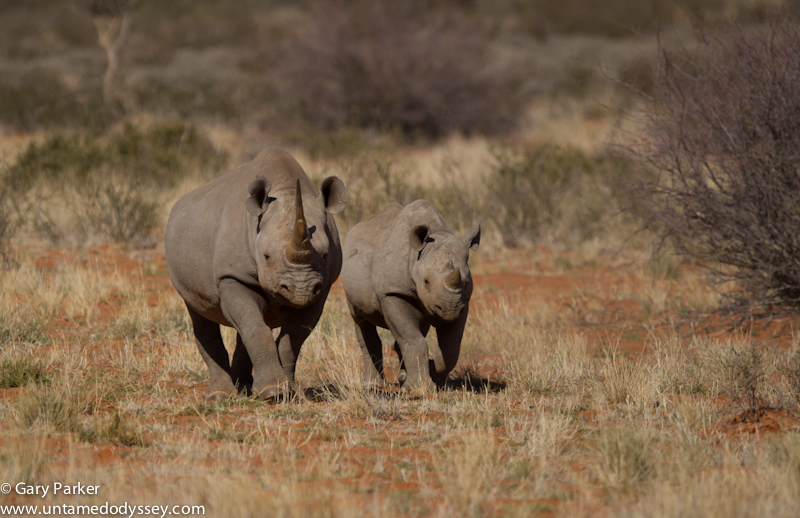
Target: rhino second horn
(453, 280)
(299, 250)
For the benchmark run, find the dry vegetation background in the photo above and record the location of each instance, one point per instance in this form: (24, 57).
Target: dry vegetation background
(631, 347)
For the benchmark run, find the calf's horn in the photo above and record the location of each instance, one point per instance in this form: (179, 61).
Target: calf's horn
(299, 250)
(453, 280)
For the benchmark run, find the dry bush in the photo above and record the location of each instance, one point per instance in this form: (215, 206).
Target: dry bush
(387, 65)
(738, 369)
(628, 18)
(719, 155)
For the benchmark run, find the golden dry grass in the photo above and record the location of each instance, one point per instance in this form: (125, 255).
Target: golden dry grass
(577, 428)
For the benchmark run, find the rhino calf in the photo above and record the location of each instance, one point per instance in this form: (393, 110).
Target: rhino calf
(405, 270)
(255, 249)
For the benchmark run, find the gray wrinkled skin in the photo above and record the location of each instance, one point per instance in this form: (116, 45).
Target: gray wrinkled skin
(242, 253)
(405, 270)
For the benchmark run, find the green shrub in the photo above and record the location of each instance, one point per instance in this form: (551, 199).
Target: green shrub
(40, 99)
(116, 429)
(551, 189)
(114, 188)
(18, 370)
(52, 406)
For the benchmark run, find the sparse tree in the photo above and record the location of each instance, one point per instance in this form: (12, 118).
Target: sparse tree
(113, 20)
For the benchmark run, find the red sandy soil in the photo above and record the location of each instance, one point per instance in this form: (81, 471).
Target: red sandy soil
(576, 293)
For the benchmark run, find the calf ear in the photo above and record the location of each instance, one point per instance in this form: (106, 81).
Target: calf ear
(418, 237)
(257, 202)
(473, 237)
(333, 194)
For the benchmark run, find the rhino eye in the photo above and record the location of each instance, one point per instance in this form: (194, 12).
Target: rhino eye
(266, 257)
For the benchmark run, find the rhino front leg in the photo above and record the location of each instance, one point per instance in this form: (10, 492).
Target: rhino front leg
(403, 320)
(212, 349)
(449, 337)
(244, 309)
(372, 352)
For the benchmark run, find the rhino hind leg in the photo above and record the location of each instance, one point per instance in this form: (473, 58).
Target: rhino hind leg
(372, 351)
(212, 349)
(401, 372)
(242, 367)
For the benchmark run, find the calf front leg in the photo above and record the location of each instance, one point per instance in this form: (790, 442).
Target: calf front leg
(449, 337)
(403, 320)
(244, 309)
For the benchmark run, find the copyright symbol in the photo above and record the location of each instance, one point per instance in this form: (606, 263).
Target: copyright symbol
(5, 488)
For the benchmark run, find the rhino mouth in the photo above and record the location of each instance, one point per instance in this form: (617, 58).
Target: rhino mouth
(448, 310)
(300, 297)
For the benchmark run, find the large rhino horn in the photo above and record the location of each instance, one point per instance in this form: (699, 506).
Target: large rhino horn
(453, 279)
(299, 250)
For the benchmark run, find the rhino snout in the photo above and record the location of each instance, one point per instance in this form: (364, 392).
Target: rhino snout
(302, 294)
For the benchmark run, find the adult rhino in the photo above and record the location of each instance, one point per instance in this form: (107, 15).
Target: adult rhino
(255, 249)
(405, 270)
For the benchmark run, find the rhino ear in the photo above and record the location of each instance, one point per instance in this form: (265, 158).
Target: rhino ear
(257, 202)
(418, 237)
(473, 237)
(333, 194)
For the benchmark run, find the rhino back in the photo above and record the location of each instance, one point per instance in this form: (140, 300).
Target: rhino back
(359, 254)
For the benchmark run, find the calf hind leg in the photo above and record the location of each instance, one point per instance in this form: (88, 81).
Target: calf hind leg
(209, 343)
(372, 352)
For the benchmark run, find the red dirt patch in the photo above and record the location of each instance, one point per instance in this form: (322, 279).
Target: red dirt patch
(754, 422)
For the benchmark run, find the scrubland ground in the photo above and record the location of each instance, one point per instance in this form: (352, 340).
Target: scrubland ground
(593, 379)
(593, 389)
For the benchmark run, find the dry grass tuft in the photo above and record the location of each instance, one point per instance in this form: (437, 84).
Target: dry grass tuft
(624, 458)
(550, 365)
(471, 469)
(55, 406)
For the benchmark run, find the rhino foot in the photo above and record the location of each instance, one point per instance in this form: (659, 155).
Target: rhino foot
(219, 391)
(402, 376)
(274, 393)
(419, 388)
